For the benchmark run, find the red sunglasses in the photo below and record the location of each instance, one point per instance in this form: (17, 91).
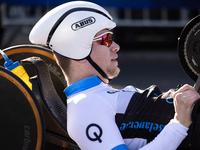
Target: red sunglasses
(104, 39)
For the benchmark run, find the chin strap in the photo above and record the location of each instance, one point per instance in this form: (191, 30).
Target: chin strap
(101, 72)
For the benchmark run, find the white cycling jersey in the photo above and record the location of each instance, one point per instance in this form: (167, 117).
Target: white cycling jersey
(100, 117)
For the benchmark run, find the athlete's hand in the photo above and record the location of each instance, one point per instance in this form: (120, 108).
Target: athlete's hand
(183, 101)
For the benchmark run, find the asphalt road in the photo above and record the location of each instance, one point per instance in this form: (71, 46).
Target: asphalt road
(142, 69)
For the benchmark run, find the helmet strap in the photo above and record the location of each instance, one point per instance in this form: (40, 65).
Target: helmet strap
(101, 72)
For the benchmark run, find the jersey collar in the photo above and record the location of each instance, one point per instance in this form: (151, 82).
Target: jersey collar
(82, 85)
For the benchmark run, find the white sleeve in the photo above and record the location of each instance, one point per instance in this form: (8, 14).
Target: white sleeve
(170, 137)
(91, 124)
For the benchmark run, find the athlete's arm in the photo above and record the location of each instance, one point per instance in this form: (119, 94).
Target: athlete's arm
(91, 124)
(169, 138)
(173, 134)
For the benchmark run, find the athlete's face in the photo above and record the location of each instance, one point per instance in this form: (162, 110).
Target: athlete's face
(106, 56)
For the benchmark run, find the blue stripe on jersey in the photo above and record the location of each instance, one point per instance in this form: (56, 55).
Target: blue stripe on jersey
(120, 147)
(82, 85)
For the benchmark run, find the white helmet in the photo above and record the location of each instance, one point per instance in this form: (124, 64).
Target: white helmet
(70, 28)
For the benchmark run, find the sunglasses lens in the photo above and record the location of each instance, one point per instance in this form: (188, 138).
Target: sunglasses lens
(106, 40)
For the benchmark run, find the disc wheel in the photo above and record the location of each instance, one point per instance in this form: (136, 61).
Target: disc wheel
(22, 123)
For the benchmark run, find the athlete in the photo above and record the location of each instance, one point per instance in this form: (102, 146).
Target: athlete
(100, 117)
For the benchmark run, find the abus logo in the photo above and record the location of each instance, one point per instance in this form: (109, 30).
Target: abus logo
(83, 23)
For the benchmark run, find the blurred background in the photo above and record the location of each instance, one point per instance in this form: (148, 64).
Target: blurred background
(147, 32)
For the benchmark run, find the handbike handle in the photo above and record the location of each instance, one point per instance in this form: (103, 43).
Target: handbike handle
(195, 111)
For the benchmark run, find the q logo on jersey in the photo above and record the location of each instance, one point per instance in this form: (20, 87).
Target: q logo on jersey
(83, 23)
(94, 132)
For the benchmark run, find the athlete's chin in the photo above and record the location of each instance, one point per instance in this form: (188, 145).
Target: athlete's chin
(114, 73)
